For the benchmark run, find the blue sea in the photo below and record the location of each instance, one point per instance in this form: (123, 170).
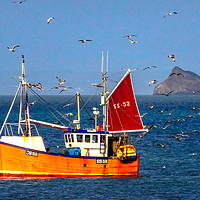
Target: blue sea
(171, 172)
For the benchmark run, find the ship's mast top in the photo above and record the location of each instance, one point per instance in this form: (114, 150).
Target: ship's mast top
(103, 95)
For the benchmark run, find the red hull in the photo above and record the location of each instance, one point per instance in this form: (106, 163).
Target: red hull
(21, 162)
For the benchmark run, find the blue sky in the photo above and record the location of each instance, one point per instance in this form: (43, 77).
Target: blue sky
(53, 50)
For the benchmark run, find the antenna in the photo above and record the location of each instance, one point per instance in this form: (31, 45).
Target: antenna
(102, 61)
(107, 63)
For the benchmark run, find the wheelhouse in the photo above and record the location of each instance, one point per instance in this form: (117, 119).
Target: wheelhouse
(82, 142)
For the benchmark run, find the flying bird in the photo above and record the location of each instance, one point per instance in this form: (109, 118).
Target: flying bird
(152, 82)
(60, 81)
(31, 85)
(161, 111)
(57, 87)
(40, 88)
(143, 115)
(167, 94)
(169, 14)
(150, 67)
(177, 138)
(189, 117)
(13, 48)
(163, 145)
(49, 20)
(67, 105)
(165, 127)
(133, 41)
(83, 41)
(67, 114)
(152, 126)
(172, 56)
(194, 108)
(129, 36)
(150, 106)
(32, 103)
(193, 91)
(97, 84)
(178, 74)
(168, 122)
(19, 2)
(64, 89)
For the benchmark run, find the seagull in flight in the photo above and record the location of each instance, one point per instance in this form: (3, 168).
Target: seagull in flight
(172, 56)
(49, 20)
(19, 2)
(13, 48)
(32, 103)
(40, 88)
(194, 108)
(83, 41)
(129, 36)
(150, 106)
(152, 82)
(163, 145)
(133, 41)
(167, 94)
(161, 111)
(60, 81)
(57, 87)
(64, 89)
(169, 14)
(97, 84)
(193, 91)
(67, 114)
(150, 67)
(68, 104)
(178, 74)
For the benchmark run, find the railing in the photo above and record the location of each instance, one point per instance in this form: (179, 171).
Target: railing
(11, 129)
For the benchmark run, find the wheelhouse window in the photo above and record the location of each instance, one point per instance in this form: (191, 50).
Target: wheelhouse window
(87, 138)
(79, 138)
(66, 139)
(94, 138)
(72, 137)
(69, 138)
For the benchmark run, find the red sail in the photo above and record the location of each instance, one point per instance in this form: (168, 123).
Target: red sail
(123, 114)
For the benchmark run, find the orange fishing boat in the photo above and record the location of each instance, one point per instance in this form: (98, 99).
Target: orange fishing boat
(102, 151)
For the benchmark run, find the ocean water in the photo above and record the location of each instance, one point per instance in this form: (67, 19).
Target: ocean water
(172, 172)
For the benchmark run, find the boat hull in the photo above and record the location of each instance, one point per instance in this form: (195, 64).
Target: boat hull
(23, 162)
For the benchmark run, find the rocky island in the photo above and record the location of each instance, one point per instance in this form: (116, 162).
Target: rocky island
(179, 82)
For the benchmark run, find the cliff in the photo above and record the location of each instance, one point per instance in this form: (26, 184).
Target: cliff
(180, 82)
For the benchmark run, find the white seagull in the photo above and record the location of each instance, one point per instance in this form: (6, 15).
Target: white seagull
(171, 13)
(60, 81)
(149, 67)
(64, 89)
(133, 41)
(40, 88)
(13, 48)
(97, 84)
(32, 103)
(172, 56)
(49, 20)
(129, 36)
(19, 2)
(152, 82)
(67, 114)
(83, 41)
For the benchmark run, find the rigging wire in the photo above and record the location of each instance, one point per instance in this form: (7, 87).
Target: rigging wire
(43, 100)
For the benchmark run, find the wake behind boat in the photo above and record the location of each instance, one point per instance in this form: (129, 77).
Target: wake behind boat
(102, 151)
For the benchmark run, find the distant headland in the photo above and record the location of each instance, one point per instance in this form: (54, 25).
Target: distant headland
(179, 82)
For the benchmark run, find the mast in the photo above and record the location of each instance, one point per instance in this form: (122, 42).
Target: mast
(24, 88)
(78, 108)
(104, 93)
